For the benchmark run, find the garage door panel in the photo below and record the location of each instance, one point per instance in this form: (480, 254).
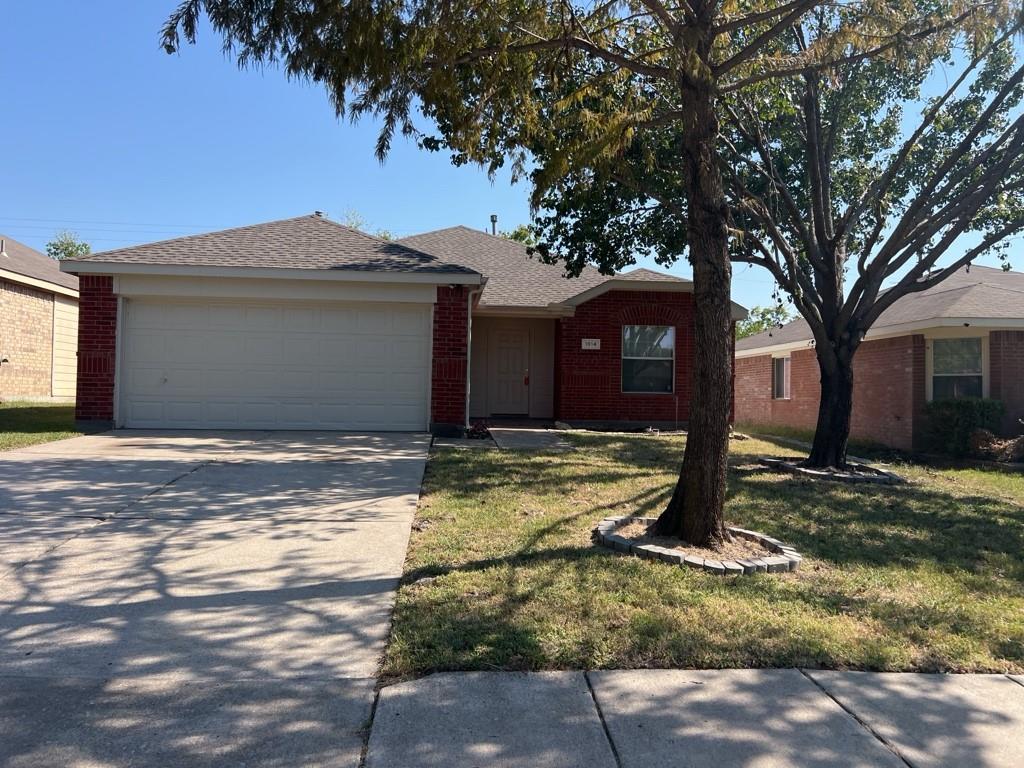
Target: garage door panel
(220, 413)
(409, 323)
(230, 317)
(275, 365)
(300, 350)
(333, 383)
(337, 351)
(150, 349)
(184, 411)
(337, 317)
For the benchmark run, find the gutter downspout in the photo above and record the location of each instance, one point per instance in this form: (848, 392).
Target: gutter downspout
(469, 340)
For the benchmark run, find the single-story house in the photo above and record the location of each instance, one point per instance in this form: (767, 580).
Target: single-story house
(307, 324)
(961, 338)
(38, 325)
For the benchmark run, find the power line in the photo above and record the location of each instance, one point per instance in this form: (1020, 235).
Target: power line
(114, 223)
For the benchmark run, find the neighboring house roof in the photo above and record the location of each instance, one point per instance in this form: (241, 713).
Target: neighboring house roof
(28, 262)
(304, 242)
(983, 294)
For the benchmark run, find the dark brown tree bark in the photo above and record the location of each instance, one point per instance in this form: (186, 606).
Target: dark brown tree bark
(832, 433)
(696, 511)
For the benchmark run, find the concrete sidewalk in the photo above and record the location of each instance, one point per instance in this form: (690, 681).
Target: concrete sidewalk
(719, 718)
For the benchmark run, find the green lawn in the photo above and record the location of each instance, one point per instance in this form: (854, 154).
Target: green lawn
(501, 573)
(26, 423)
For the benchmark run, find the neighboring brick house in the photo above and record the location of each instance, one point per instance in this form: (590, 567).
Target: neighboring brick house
(306, 324)
(961, 338)
(38, 325)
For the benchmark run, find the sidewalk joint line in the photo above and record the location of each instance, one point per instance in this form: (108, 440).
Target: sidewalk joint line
(368, 728)
(863, 723)
(604, 723)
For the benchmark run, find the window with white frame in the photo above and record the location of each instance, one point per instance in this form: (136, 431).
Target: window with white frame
(780, 378)
(648, 358)
(956, 368)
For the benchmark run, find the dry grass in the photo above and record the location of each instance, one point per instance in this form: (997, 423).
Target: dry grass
(926, 576)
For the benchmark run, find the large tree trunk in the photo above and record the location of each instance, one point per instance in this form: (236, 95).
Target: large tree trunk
(832, 433)
(695, 512)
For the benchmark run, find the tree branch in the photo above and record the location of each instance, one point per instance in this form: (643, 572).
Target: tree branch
(765, 72)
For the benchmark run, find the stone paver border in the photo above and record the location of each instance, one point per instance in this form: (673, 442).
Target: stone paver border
(785, 559)
(879, 476)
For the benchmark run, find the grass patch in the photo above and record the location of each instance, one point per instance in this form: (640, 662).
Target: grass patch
(502, 575)
(28, 423)
(860, 447)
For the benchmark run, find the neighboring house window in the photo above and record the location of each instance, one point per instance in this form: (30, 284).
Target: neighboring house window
(780, 378)
(956, 368)
(648, 358)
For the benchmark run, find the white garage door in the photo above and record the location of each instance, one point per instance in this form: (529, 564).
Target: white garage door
(278, 365)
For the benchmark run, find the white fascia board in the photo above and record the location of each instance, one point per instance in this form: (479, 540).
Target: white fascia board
(738, 312)
(775, 349)
(902, 329)
(34, 282)
(614, 284)
(341, 275)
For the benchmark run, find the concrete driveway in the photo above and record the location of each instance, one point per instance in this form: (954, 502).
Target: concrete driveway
(191, 598)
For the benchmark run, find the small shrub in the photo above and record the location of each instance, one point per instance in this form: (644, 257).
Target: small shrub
(952, 422)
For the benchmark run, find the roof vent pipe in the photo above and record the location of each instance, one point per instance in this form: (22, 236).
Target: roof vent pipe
(3, 248)
(494, 223)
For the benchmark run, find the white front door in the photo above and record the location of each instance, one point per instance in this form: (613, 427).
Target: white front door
(511, 350)
(274, 365)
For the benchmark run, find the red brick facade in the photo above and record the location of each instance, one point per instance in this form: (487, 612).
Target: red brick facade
(888, 391)
(1006, 365)
(588, 383)
(448, 377)
(97, 330)
(26, 341)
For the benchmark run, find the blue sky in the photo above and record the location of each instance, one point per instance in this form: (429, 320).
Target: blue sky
(106, 135)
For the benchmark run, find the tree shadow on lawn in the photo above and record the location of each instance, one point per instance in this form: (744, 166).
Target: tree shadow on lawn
(904, 525)
(835, 621)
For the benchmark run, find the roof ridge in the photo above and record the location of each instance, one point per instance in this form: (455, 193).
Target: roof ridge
(374, 238)
(92, 256)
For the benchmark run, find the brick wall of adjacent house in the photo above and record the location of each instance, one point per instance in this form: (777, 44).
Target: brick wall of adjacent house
(26, 341)
(1006, 370)
(888, 391)
(97, 331)
(448, 382)
(588, 383)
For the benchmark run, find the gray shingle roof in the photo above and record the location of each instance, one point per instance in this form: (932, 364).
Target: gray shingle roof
(984, 293)
(304, 242)
(514, 278)
(642, 273)
(31, 263)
